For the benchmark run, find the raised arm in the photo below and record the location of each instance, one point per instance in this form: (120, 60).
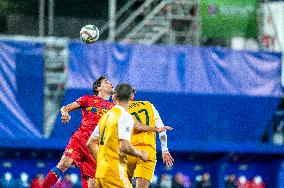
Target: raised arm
(65, 116)
(79, 103)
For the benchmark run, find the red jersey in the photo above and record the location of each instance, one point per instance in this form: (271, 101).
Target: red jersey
(93, 107)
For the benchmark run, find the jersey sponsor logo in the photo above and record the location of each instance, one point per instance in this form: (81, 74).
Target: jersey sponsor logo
(136, 104)
(100, 112)
(91, 109)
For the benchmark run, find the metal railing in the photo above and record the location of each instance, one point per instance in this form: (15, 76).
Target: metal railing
(118, 15)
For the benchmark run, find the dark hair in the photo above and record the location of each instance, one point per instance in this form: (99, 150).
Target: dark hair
(97, 84)
(123, 92)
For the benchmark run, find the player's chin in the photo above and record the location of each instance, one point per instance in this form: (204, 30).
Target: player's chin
(111, 92)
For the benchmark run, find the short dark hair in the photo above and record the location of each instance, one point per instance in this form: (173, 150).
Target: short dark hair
(97, 84)
(123, 92)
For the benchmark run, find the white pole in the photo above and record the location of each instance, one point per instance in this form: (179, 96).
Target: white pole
(51, 17)
(112, 20)
(41, 17)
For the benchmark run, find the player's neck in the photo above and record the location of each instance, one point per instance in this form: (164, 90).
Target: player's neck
(123, 104)
(104, 96)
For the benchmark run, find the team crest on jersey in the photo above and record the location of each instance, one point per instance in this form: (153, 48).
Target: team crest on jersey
(103, 111)
(99, 111)
(91, 109)
(96, 101)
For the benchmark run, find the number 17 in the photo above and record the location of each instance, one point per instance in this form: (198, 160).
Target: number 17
(138, 115)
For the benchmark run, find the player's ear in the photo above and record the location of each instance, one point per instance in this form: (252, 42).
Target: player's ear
(114, 97)
(99, 89)
(132, 97)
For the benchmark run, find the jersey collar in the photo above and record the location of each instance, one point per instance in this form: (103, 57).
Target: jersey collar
(120, 107)
(109, 100)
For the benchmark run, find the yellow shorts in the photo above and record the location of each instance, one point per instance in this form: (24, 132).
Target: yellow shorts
(140, 169)
(111, 183)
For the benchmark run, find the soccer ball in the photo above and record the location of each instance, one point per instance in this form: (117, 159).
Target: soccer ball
(89, 34)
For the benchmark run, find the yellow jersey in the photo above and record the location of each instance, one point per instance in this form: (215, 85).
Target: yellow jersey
(116, 124)
(143, 112)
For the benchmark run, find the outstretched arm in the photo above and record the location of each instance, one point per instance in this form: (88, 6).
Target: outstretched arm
(167, 157)
(65, 116)
(139, 127)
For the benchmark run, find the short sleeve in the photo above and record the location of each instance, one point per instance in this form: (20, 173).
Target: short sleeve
(125, 126)
(158, 121)
(96, 132)
(82, 101)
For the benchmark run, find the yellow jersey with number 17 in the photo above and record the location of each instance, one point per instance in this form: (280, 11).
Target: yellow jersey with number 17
(142, 111)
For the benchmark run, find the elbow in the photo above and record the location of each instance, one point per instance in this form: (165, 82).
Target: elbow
(62, 109)
(124, 146)
(163, 135)
(123, 149)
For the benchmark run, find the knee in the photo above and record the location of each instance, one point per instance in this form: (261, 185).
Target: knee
(65, 163)
(91, 183)
(142, 183)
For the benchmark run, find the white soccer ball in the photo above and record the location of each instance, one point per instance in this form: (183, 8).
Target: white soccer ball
(89, 34)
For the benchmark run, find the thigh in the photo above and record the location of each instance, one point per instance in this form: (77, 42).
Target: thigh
(131, 165)
(87, 164)
(145, 170)
(72, 150)
(88, 169)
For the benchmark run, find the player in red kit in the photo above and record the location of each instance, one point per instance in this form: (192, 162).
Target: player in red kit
(76, 152)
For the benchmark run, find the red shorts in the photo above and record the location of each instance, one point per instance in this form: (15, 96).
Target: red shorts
(78, 151)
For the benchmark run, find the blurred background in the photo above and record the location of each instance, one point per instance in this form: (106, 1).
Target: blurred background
(212, 68)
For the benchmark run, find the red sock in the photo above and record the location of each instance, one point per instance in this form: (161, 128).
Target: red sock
(50, 179)
(84, 182)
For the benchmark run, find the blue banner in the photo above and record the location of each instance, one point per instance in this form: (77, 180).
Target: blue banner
(21, 90)
(178, 69)
(216, 99)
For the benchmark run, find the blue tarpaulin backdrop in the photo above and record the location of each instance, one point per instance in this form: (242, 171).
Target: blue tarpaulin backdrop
(21, 90)
(178, 69)
(216, 99)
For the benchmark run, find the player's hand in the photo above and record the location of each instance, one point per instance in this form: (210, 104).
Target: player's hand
(144, 156)
(65, 117)
(168, 159)
(164, 128)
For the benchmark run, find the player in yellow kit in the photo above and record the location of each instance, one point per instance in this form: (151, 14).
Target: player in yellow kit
(110, 142)
(143, 171)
